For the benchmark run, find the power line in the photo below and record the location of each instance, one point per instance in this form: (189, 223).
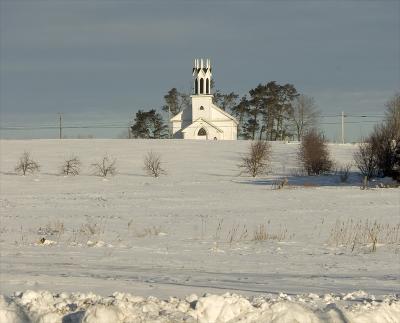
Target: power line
(64, 127)
(352, 116)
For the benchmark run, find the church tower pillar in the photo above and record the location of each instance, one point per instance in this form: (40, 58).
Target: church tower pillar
(202, 76)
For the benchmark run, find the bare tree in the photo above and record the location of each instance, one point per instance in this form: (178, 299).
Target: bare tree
(26, 164)
(304, 115)
(257, 160)
(366, 160)
(71, 166)
(107, 166)
(314, 153)
(392, 112)
(152, 164)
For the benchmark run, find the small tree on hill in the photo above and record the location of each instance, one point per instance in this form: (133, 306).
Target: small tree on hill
(256, 161)
(71, 166)
(152, 164)
(26, 164)
(314, 153)
(107, 166)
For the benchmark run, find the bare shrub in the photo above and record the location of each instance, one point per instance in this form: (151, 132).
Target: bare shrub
(153, 165)
(385, 143)
(366, 160)
(352, 234)
(256, 161)
(107, 166)
(280, 183)
(344, 172)
(314, 153)
(71, 166)
(26, 165)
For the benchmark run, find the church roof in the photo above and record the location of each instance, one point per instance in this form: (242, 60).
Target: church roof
(205, 121)
(177, 117)
(225, 113)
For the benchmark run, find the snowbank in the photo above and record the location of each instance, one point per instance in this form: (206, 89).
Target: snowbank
(45, 307)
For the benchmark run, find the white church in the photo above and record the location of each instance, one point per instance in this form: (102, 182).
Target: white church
(204, 120)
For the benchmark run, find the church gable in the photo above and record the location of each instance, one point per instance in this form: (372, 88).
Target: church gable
(202, 123)
(202, 129)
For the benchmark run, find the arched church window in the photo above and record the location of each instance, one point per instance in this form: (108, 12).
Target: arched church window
(202, 132)
(207, 86)
(201, 108)
(196, 87)
(201, 86)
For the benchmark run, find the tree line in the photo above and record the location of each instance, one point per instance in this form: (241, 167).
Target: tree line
(270, 111)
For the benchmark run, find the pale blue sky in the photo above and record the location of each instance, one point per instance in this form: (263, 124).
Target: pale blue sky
(100, 61)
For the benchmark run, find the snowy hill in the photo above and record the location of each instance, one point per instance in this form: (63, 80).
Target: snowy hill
(201, 228)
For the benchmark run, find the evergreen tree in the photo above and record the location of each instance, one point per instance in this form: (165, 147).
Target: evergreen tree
(149, 125)
(268, 112)
(256, 106)
(240, 111)
(176, 101)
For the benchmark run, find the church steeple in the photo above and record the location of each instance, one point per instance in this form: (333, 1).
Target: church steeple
(202, 76)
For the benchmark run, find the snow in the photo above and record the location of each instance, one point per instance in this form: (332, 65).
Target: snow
(190, 232)
(42, 306)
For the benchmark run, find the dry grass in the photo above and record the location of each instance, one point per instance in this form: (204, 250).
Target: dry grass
(354, 234)
(241, 233)
(150, 231)
(261, 233)
(52, 229)
(308, 184)
(89, 231)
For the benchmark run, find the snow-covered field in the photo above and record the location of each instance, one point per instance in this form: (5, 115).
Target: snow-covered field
(199, 229)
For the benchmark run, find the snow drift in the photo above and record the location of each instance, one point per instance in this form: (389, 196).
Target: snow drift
(45, 307)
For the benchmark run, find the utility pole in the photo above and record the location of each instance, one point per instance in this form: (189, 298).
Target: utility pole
(343, 127)
(60, 125)
(169, 122)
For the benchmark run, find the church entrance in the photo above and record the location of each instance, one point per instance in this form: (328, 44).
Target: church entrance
(202, 134)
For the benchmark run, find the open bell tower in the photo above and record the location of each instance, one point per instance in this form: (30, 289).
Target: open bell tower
(202, 76)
